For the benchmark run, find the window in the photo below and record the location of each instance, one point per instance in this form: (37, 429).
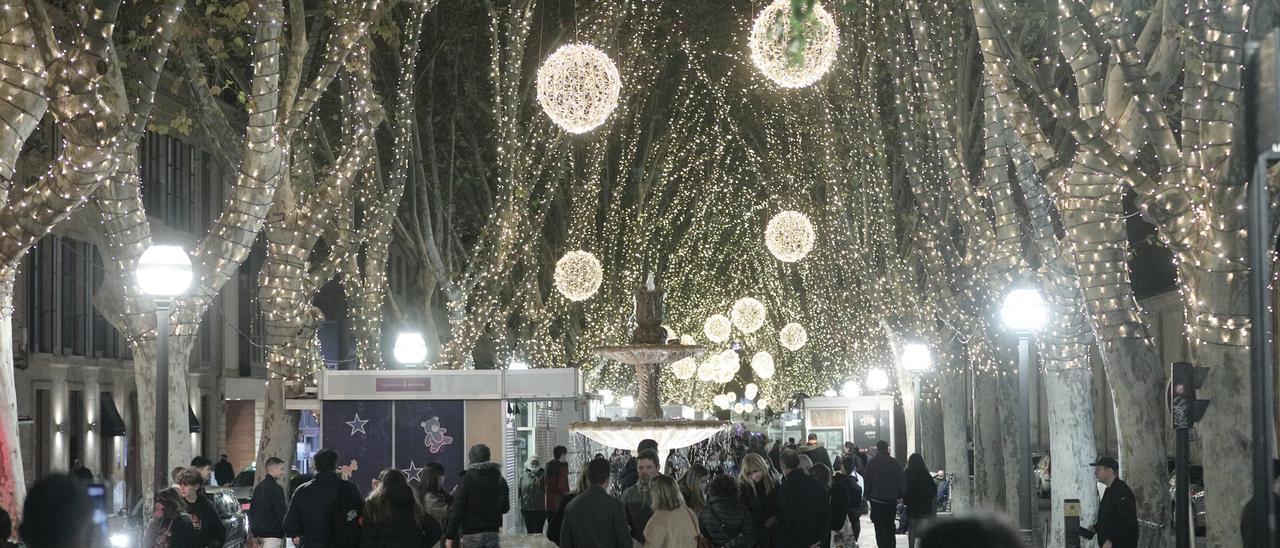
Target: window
(63, 275)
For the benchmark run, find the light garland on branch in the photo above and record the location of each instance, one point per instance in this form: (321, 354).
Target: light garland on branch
(578, 275)
(748, 315)
(789, 236)
(769, 42)
(793, 336)
(578, 87)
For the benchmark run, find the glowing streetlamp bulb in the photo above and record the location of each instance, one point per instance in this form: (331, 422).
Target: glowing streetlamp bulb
(627, 402)
(877, 379)
(1023, 309)
(410, 348)
(916, 357)
(164, 271)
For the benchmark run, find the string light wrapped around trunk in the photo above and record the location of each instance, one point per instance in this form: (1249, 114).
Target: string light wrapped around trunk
(578, 275)
(578, 87)
(789, 236)
(770, 45)
(793, 336)
(748, 314)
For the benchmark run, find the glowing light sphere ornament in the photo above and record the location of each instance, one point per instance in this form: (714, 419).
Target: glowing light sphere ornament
(770, 51)
(578, 275)
(578, 87)
(717, 328)
(747, 314)
(762, 364)
(789, 236)
(684, 368)
(793, 336)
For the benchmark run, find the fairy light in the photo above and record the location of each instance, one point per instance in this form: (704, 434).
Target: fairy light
(789, 236)
(578, 86)
(770, 40)
(578, 275)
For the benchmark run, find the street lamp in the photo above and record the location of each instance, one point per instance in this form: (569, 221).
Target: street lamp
(916, 361)
(877, 380)
(410, 349)
(1023, 312)
(163, 272)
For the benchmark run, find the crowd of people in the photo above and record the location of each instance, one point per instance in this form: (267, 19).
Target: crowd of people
(767, 494)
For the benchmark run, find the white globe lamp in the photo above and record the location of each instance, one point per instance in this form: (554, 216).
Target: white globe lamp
(164, 271)
(877, 380)
(916, 358)
(410, 349)
(1024, 309)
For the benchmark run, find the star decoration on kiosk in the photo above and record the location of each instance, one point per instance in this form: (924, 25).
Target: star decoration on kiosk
(357, 425)
(413, 471)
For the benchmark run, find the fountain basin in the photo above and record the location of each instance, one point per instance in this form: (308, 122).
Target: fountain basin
(670, 434)
(643, 354)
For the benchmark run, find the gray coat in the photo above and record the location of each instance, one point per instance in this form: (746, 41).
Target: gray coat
(593, 519)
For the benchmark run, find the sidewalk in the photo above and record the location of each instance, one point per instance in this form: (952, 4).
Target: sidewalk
(866, 540)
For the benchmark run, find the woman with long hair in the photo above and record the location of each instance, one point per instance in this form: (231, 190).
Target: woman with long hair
(393, 517)
(755, 488)
(673, 525)
(919, 498)
(725, 520)
(694, 485)
(431, 494)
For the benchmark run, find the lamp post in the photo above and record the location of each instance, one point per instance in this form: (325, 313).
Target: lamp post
(410, 349)
(1023, 312)
(164, 272)
(916, 360)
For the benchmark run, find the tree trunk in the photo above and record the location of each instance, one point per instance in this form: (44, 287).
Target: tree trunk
(955, 415)
(989, 494)
(1070, 406)
(1137, 388)
(932, 446)
(279, 429)
(13, 485)
(1007, 387)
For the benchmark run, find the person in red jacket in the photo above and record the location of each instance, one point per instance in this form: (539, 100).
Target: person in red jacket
(556, 478)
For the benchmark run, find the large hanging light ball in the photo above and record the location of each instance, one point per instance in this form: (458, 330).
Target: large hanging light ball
(578, 87)
(751, 390)
(770, 51)
(747, 314)
(687, 340)
(684, 368)
(793, 336)
(707, 369)
(762, 364)
(578, 275)
(789, 236)
(727, 366)
(717, 328)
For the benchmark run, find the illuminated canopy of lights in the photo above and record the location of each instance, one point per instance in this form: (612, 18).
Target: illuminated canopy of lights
(770, 41)
(793, 336)
(789, 236)
(578, 275)
(762, 364)
(747, 314)
(578, 86)
(717, 328)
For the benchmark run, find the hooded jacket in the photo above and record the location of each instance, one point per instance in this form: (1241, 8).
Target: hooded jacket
(817, 453)
(481, 500)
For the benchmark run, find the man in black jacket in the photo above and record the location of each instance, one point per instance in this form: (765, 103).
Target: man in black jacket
(223, 472)
(593, 519)
(804, 517)
(267, 508)
(629, 475)
(482, 498)
(1117, 525)
(325, 509)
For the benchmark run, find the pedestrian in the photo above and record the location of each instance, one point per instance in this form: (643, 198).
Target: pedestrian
(555, 521)
(556, 478)
(267, 507)
(673, 525)
(837, 501)
(435, 501)
(204, 466)
(725, 521)
(755, 489)
(533, 495)
(693, 487)
(393, 518)
(223, 472)
(848, 481)
(774, 453)
(185, 518)
(81, 472)
(968, 532)
(482, 498)
(885, 484)
(636, 498)
(57, 513)
(920, 497)
(592, 518)
(629, 474)
(1117, 524)
(325, 510)
(803, 517)
(816, 451)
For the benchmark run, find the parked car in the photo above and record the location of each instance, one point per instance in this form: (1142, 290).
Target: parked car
(1196, 489)
(243, 486)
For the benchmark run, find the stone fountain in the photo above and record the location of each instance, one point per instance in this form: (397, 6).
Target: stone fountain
(647, 353)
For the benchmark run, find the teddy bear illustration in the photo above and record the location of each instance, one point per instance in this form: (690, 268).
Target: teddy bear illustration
(436, 438)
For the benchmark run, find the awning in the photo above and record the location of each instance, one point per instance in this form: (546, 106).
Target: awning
(112, 422)
(193, 421)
